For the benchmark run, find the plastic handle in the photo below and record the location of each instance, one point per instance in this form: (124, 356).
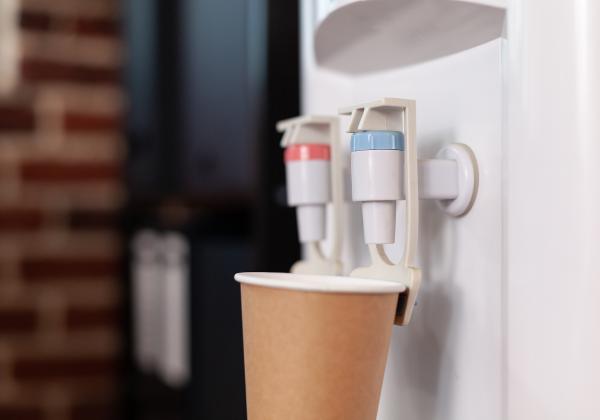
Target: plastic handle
(392, 114)
(411, 186)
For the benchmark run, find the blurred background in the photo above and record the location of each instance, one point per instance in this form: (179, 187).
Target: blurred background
(139, 169)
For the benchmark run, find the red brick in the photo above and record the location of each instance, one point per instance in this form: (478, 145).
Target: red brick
(41, 70)
(63, 268)
(74, 121)
(20, 412)
(20, 219)
(53, 368)
(16, 118)
(34, 369)
(34, 20)
(15, 320)
(93, 219)
(97, 26)
(92, 410)
(66, 172)
(85, 26)
(88, 318)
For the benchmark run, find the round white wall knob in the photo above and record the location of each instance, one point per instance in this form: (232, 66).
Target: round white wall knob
(467, 179)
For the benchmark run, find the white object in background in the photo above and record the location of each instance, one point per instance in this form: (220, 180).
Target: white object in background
(174, 365)
(314, 180)
(389, 115)
(9, 45)
(146, 273)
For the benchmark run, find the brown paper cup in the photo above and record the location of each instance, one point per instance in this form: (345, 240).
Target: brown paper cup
(315, 347)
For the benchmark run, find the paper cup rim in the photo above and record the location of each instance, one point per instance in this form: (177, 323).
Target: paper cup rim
(320, 283)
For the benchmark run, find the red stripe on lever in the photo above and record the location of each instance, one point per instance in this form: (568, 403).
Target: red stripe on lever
(307, 152)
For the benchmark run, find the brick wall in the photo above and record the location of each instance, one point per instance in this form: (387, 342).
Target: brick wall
(61, 148)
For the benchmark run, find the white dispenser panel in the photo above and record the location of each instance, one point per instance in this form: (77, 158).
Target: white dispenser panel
(447, 363)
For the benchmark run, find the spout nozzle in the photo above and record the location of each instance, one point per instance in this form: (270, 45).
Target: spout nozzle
(311, 222)
(379, 221)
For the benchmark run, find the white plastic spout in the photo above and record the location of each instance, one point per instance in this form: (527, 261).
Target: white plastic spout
(379, 221)
(314, 180)
(311, 222)
(308, 182)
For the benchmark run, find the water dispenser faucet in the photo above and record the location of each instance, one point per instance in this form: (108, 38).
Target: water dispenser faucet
(383, 156)
(313, 181)
(385, 169)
